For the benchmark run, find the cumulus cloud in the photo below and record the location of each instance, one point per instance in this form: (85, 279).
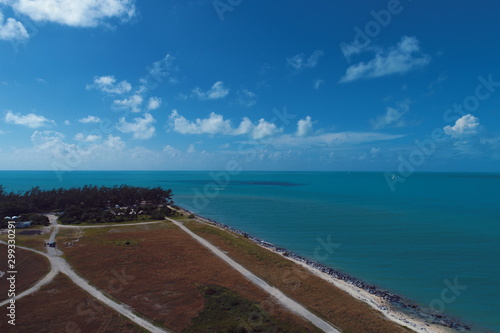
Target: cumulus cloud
(109, 84)
(87, 138)
(216, 124)
(12, 29)
(465, 127)
(154, 103)
(393, 117)
(247, 98)
(133, 103)
(304, 126)
(169, 150)
(54, 146)
(264, 129)
(30, 120)
(402, 58)
(53, 143)
(141, 128)
(90, 120)
(114, 142)
(300, 61)
(81, 13)
(217, 91)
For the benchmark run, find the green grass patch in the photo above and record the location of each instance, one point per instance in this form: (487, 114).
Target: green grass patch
(225, 311)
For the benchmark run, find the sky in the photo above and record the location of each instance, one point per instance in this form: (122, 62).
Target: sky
(237, 85)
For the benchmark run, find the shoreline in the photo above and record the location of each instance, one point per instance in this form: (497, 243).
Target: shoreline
(392, 306)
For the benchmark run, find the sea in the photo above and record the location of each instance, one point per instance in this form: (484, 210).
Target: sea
(433, 238)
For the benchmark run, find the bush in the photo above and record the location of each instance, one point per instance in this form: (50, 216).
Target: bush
(38, 219)
(157, 215)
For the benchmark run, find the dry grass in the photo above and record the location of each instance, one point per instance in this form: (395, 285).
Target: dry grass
(62, 307)
(331, 303)
(30, 268)
(160, 271)
(32, 241)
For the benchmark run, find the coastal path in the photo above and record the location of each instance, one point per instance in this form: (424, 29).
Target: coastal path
(276, 293)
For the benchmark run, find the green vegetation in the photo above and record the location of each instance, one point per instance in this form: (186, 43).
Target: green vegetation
(89, 204)
(225, 311)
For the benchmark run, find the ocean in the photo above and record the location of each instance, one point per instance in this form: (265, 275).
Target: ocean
(435, 239)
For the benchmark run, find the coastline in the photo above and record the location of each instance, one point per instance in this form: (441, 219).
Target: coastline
(392, 306)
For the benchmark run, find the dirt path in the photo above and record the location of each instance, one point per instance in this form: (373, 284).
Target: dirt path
(58, 264)
(278, 294)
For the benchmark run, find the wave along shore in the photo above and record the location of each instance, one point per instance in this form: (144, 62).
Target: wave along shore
(392, 306)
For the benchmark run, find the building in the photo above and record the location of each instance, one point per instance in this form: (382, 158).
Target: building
(22, 225)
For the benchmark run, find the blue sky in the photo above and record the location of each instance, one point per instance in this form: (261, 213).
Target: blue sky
(253, 85)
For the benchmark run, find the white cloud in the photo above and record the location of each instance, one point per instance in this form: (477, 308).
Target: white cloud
(216, 124)
(133, 103)
(109, 84)
(67, 122)
(114, 142)
(304, 126)
(217, 91)
(264, 129)
(87, 138)
(90, 120)
(404, 57)
(154, 103)
(30, 120)
(245, 127)
(81, 13)
(299, 61)
(374, 151)
(191, 149)
(349, 49)
(52, 144)
(393, 117)
(169, 150)
(159, 72)
(464, 128)
(330, 139)
(247, 98)
(318, 84)
(12, 29)
(141, 128)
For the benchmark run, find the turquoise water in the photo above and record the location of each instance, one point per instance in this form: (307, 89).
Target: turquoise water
(434, 231)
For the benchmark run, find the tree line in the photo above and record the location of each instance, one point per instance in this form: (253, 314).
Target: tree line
(88, 203)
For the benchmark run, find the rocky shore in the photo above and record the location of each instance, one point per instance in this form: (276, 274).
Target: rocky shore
(397, 301)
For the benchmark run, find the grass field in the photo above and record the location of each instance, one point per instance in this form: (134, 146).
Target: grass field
(62, 307)
(163, 274)
(30, 268)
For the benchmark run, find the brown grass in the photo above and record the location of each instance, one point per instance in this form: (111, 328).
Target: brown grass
(331, 303)
(32, 241)
(62, 307)
(160, 272)
(30, 268)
